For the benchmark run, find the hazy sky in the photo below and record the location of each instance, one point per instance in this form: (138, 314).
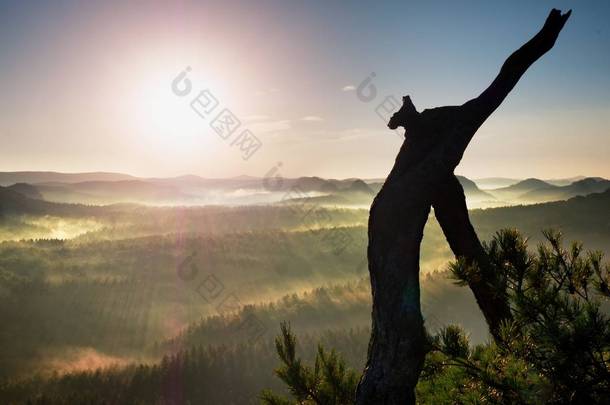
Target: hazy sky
(89, 87)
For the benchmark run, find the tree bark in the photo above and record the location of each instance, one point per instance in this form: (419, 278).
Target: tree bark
(452, 214)
(398, 343)
(423, 175)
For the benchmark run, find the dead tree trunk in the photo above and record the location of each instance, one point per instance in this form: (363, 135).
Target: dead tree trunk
(452, 214)
(435, 142)
(398, 342)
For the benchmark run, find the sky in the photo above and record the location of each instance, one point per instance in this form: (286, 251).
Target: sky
(95, 86)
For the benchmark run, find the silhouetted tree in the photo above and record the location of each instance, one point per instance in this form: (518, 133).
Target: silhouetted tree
(422, 176)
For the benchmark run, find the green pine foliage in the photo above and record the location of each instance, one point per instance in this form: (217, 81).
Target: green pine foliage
(327, 382)
(555, 350)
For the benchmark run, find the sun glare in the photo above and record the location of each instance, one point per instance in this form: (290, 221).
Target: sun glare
(164, 118)
(162, 112)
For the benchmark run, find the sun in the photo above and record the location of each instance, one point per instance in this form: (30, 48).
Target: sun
(161, 112)
(162, 118)
(157, 116)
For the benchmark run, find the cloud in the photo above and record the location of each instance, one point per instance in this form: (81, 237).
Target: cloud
(256, 118)
(348, 134)
(262, 127)
(349, 87)
(312, 118)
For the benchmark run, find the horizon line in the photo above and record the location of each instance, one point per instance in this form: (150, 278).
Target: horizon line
(262, 177)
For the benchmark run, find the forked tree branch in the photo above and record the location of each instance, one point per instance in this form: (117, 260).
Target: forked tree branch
(421, 177)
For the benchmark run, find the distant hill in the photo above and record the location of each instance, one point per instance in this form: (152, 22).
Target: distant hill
(27, 190)
(308, 184)
(532, 190)
(586, 218)
(473, 192)
(491, 183)
(8, 178)
(515, 191)
(112, 188)
(556, 193)
(181, 190)
(565, 182)
(13, 202)
(111, 192)
(354, 193)
(488, 183)
(526, 185)
(359, 186)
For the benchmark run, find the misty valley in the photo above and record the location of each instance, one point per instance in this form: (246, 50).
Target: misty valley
(121, 287)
